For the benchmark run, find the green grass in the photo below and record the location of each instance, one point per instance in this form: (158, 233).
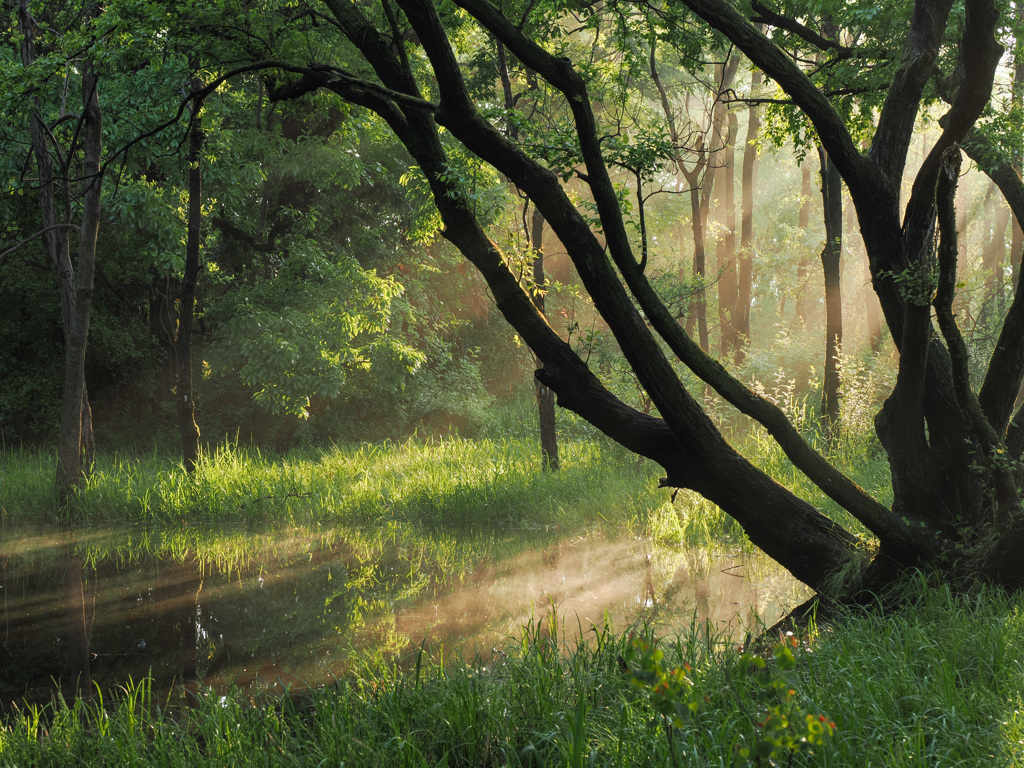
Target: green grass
(453, 483)
(939, 683)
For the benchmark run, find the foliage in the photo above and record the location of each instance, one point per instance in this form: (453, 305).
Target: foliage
(297, 335)
(784, 730)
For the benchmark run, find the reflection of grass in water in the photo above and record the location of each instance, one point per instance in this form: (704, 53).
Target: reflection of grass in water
(937, 684)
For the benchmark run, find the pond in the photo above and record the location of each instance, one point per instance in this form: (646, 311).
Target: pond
(302, 607)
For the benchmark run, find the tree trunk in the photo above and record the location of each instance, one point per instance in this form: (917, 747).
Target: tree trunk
(76, 433)
(832, 203)
(728, 281)
(1017, 163)
(746, 257)
(803, 267)
(535, 236)
(186, 407)
(69, 448)
(545, 397)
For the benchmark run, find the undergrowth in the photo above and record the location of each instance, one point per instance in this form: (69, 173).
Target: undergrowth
(938, 683)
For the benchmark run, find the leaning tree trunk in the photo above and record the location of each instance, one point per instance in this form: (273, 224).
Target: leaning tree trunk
(185, 398)
(943, 441)
(832, 203)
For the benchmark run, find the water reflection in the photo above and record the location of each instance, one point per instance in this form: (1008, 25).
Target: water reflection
(307, 609)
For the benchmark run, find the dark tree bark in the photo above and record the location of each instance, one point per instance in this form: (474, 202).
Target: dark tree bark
(831, 253)
(184, 395)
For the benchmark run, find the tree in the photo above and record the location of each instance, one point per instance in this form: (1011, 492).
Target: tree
(831, 252)
(184, 394)
(746, 260)
(953, 452)
(76, 285)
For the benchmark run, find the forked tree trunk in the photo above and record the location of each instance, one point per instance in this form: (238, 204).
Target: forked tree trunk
(950, 480)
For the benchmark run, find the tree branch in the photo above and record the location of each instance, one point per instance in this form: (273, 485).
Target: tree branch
(899, 111)
(483, 140)
(765, 15)
(857, 171)
(979, 54)
(33, 236)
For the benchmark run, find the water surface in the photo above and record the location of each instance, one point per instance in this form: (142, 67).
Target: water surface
(299, 608)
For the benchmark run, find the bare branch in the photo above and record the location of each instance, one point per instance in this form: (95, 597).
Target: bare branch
(33, 236)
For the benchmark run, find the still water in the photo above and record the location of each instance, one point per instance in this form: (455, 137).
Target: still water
(300, 608)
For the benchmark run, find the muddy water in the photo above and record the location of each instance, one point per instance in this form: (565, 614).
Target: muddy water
(309, 609)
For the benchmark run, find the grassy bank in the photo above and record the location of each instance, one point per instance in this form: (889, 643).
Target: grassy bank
(455, 482)
(938, 684)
